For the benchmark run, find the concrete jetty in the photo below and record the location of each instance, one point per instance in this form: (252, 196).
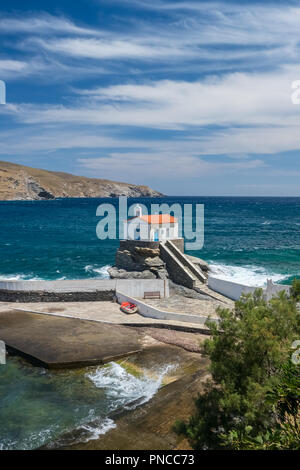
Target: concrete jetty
(59, 342)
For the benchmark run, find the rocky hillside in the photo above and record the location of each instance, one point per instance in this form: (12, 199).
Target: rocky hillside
(19, 182)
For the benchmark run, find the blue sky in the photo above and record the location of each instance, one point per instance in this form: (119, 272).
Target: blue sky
(189, 97)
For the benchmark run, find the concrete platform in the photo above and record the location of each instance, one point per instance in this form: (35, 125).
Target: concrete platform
(104, 312)
(58, 342)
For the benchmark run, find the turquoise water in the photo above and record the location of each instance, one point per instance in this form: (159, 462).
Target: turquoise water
(38, 406)
(246, 239)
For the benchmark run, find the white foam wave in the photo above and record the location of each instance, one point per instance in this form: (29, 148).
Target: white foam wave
(97, 428)
(101, 272)
(124, 388)
(19, 277)
(254, 276)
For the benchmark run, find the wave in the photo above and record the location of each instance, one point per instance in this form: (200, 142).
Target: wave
(96, 429)
(100, 273)
(19, 277)
(125, 388)
(254, 276)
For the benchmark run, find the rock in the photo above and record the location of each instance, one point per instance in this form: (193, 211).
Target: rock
(140, 259)
(198, 261)
(116, 273)
(146, 252)
(161, 273)
(124, 260)
(186, 292)
(154, 262)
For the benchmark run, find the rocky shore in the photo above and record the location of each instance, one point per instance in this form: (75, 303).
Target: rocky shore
(150, 426)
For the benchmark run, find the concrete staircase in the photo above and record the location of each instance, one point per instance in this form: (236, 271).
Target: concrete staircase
(191, 267)
(183, 271)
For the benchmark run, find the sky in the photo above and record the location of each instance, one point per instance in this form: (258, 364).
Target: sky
(188, 97)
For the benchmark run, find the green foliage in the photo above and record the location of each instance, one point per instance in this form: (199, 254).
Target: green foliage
(285, 434)
(295, 290)
(246, 351)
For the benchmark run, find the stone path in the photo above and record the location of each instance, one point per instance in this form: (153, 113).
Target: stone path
(178, 303)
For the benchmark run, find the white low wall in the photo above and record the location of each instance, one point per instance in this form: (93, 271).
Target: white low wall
(152, 312)
(233, 290)
(135, 287)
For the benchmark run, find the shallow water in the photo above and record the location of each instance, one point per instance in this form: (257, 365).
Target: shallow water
(38, 406)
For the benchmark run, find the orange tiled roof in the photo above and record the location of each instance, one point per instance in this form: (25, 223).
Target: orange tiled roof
(159, 219)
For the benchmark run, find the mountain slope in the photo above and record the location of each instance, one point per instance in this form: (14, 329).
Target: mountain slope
(19, 182)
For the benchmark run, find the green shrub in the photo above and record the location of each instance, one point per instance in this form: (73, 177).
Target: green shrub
(247, 350)
(295, 290)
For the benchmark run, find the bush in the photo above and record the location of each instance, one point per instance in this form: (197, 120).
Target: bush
(295, 290)
(247, 350)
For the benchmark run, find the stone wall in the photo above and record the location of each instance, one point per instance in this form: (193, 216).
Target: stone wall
(42, 296)
(78, 291)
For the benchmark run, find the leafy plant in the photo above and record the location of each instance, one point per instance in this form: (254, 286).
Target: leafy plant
(295, 290)
(247, 350)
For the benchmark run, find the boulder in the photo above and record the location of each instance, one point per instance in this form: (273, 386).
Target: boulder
(146, 252)
(154, 262)
(116, 273)
(125, 261)
(200, 262)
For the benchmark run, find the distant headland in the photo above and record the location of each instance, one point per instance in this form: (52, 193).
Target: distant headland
(18, 182)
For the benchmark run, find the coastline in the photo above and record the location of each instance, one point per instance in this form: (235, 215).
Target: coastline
(148, 426)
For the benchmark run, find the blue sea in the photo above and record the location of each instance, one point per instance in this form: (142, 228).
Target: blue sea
(246, 239)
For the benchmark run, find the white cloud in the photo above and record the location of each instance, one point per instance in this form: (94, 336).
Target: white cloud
(254, 110)
(44, 24)
(134, 166)
(108, 49)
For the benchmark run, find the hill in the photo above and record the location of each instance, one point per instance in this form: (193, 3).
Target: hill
(18, 182)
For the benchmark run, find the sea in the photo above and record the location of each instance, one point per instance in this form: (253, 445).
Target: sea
(246, 240)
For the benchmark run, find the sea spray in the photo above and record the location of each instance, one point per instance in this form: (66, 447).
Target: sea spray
(68, 406)
(254, 276)
(124, 388)
(98, 272)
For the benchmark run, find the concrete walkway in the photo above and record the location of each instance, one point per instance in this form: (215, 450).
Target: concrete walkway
(104, 312)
